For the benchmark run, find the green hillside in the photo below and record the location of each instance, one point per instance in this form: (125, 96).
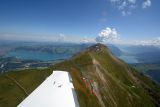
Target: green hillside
(99, 78)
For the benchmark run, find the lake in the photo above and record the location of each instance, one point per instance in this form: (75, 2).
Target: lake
(129, 59)
(154, 74)
(34, 55)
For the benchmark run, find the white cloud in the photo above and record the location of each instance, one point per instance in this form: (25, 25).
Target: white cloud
(127, 7)
(124, 6)
(154, 41)
(124, 13)
(87, 40)
(61, 37)
(146, 3)
(108, 34)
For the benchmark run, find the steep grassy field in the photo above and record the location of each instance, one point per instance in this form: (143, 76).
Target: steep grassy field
(99, 78)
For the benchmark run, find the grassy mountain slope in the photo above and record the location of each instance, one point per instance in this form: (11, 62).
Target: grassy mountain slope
(100, 80)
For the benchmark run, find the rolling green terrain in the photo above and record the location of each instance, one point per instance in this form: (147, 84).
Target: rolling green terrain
(99, 78)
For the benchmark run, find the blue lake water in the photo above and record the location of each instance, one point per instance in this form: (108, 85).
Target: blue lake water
(33, 55)
(154, 74)
(129, 59)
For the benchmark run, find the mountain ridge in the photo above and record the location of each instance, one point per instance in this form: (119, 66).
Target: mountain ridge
(127, 79)
(100, 79)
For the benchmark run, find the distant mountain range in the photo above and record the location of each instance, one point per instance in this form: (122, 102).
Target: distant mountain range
(100, 80)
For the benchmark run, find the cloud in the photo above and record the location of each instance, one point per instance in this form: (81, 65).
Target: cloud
(127, 7)
(124, 6)
(61, 37)
(108, 34)
(85, 40)
(154, 41)
(124, 13)
(146, 4)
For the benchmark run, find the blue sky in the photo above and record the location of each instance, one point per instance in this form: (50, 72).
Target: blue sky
(78, 19)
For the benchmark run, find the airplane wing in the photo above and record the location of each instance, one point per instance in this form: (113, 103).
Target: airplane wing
(56, 91)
